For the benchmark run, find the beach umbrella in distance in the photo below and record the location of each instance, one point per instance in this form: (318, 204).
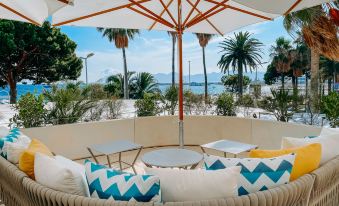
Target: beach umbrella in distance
(32, 11)
(198, 16)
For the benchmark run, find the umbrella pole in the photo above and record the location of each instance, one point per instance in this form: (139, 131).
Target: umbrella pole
(181, 109)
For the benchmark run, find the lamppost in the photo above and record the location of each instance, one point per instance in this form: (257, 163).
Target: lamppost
(85, 58)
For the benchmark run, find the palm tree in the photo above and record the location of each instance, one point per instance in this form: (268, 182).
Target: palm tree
(295, 22)
(121, 38)
(143, 83)
(203, 41)
(174, 39)
(115, 84)
(282, 56)
(328, 70)
(240, 52)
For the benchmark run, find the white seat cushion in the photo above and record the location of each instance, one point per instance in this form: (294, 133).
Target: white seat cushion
(179, 185)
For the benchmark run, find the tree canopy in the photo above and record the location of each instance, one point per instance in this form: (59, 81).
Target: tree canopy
(40, 54)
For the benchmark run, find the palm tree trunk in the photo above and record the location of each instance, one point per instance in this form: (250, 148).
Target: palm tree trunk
(240, 79)
(126, 95)
(173, 60)
(329, 85)
(314, 74)
(205, 73)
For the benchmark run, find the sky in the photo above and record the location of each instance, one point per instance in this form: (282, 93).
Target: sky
(151, 51)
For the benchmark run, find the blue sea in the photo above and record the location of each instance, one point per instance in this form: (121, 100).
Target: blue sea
(213, 89)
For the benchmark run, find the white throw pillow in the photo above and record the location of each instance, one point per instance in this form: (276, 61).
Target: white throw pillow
(3, 131)
(329, 145)
(15, 149)
(61, 174)
(195, 185)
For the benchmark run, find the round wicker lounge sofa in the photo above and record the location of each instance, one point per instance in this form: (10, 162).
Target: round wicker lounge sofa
(319, 188)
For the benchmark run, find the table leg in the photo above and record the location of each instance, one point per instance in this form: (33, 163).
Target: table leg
(194, 166)
(120, 161)
(135, 159)
(109, 161)
(225, 154)
(203, 150)
(90, 151)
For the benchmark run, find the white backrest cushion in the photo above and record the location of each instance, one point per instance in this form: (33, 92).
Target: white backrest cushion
(329, 131)
(329, 145)
(179, 185)
(61, 174)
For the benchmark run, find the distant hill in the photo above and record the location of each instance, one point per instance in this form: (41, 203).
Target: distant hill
(199, 78)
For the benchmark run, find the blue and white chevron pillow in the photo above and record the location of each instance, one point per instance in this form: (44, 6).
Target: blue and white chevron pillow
(12, 136)
(106, 183)
(257, 174)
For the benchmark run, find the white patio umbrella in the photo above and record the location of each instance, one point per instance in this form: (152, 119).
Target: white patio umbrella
(32, 11)
(199, 16)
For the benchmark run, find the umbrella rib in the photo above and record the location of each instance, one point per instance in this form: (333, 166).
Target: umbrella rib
(203, 15)
(163, 11)
(99, 13)
(64, 1)
(292, 7)
(240, 10)
(191, 12)
(19, 14)
(159, 18)
(212, 25)
(168, 12)
(149, 16)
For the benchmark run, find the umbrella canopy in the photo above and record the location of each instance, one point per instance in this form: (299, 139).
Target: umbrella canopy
(32, 11)
(199, 16)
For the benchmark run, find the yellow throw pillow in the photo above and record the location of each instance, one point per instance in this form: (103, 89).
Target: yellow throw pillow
(307, 159)
(26, 161)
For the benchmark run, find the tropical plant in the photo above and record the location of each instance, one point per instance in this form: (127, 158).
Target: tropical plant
(225, 105)
(170, 99)
(231, 81)
(203, 41)
(330, 105)
(31, 111)
(147, 106)
(121, 38)
(174, 37)
(271, 75)
(115, 84)
(40, 54)
(143, 83)
(280, 104)
(68, 105)
(240, 52)
(282, 57)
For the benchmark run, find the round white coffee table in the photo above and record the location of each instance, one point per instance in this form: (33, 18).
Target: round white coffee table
(172, 158)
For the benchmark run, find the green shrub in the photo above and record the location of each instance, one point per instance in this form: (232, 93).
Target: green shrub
(30, 111)
(96, 92)
(225, 105)
(170, 99)
(280, 104)
(114, 106)
(148, 106)
(330, 107)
